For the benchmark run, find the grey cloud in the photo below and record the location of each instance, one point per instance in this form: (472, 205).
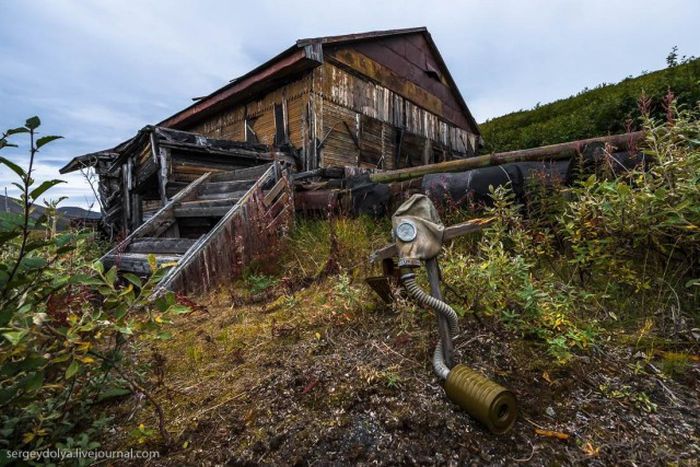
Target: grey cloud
(97, 71)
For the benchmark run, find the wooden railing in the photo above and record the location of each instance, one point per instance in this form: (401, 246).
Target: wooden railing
(250, 230)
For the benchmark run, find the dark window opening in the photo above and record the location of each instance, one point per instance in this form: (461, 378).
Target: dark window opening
(280, 125)
(432, 72)
(250, 135)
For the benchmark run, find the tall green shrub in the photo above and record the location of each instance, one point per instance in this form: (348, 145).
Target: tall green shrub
(64, 322)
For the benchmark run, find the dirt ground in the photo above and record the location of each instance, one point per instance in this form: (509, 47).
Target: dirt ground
(312, 380)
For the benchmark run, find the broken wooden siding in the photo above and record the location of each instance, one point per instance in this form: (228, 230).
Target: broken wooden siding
(249, 231)
(361, 123)
(260, 114)
(411, 58)
(159, 162)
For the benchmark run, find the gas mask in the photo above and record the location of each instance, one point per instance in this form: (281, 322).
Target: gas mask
(417, 230)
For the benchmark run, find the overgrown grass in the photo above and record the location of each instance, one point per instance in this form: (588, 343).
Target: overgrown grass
(610, 252)
(347, 242)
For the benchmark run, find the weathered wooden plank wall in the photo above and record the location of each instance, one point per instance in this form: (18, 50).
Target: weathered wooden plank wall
(410, 58)
(260, 113)
(362, 123)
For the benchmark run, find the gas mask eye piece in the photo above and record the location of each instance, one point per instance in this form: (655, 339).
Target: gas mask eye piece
(406, 231)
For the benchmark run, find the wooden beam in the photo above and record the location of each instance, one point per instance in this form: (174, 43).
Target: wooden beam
(137, 262)
(202, 211)
(210, 202)
(228, 186)
(274, 191)
(247, 173)
(222, 195)
(165, 165)
(160, 245)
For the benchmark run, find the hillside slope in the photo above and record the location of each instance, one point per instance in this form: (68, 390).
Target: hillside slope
(600, 111)
(66, 213)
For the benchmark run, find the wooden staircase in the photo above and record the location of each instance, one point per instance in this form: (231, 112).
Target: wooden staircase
(211, 229)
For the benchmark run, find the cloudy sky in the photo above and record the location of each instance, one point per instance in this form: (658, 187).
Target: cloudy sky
(96, 71)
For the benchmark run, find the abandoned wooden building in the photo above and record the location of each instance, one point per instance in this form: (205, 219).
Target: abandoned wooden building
(372, 101)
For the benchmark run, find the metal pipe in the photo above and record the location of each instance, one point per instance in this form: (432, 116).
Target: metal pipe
(431, 267)
(552, 152)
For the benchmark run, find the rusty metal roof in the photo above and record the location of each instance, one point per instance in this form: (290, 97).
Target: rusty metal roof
(360, 36)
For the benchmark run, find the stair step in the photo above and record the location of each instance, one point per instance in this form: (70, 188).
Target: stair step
(201, 211)
(160, 245)
(222, 195)
(247, 173)
(209, 202)
(137, 262)
(227, 186)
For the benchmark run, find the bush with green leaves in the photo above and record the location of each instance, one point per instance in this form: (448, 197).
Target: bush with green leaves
(611, 247)
(503, 278)
(639, 232)
(65, 322)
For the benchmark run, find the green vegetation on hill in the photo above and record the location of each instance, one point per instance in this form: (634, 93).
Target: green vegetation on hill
(607, 109)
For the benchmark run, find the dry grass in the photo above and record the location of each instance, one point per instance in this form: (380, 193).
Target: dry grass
(327, 373)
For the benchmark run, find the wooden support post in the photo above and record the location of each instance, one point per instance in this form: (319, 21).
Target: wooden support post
(163, 174)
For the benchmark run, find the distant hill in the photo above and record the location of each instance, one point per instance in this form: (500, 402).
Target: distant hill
(67, 213)
(75, 212)
(596, 112)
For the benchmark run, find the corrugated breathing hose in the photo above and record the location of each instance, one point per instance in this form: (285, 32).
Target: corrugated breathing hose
(440, 307)
(487, 401)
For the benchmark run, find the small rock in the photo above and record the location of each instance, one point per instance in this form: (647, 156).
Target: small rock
(550, 411)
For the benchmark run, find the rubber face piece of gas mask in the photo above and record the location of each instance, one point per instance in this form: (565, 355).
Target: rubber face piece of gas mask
(417, 230)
